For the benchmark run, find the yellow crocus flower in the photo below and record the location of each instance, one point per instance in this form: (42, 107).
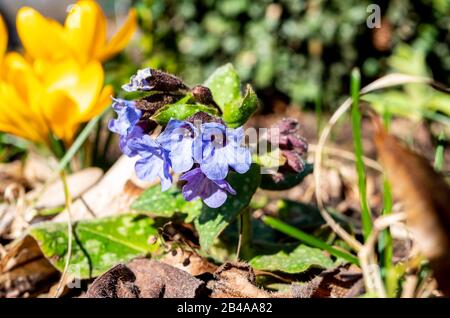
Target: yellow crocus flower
(44, 98)
(3, 41)
(59, 85)
(83, 35)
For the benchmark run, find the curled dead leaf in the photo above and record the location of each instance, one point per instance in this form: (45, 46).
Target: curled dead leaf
(188, 261)
(236, 280)
(144, 278)
(426, 196)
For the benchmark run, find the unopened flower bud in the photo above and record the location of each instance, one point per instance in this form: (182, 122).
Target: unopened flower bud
(293, 160)
(285, 133)
(203, 95)
(152, 103)
(149, 79)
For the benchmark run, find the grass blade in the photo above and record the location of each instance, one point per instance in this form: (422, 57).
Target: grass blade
(357, 141)
(307, 238)
(439, 156)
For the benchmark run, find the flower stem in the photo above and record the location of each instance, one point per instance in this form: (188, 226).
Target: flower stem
(68, 204)
(244, 250)
(79, 141)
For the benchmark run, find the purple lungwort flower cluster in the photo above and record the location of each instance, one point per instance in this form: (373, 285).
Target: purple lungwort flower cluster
(204, 153)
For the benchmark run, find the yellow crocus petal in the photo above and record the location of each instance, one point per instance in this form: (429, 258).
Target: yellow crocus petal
(60, 111)
(82, 84)
(19, 73)
(104, 100)
(89, 86)
(121, 38)
(86, 29)
(11, 129)
(41, 37)
(8, 125)
(3, 38)
(14, 112)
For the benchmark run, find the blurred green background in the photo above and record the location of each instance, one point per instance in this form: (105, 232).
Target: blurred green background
(292, 50)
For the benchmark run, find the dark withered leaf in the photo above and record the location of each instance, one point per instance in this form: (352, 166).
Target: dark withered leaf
(338, 282)
(202, 117)
(144, 278)
(236, 280)
(164, 82)
(154, 102)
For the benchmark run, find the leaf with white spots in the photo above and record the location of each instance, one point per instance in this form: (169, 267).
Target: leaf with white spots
(180, 112)
(212, 222)
(292, 260)
(225, 87)
(237, 113)
(98, 244)
(166, 204)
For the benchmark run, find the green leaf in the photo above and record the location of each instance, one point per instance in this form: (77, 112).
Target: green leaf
(290, 179)
(212, 222)
(97, 245)
(237, 113)
(225, 86)
(180, 112)
(292, 261)
(166, 203)
(301, 215)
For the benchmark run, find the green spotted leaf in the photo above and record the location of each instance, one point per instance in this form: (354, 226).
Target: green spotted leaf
(292, 260)
(211, 222)
(97, 245)
(237, 113)
(180, 112)
(225, 87)
(166, 203)
(290, 179)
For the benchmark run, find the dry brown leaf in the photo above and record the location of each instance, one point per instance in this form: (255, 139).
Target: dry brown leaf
(24, 271)
(11, 173)
(236, 280)
(78, 183)
(38, 169)
(188, 261)
(426, 196)
(339, 282)
(112, 195)
(144, 278)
